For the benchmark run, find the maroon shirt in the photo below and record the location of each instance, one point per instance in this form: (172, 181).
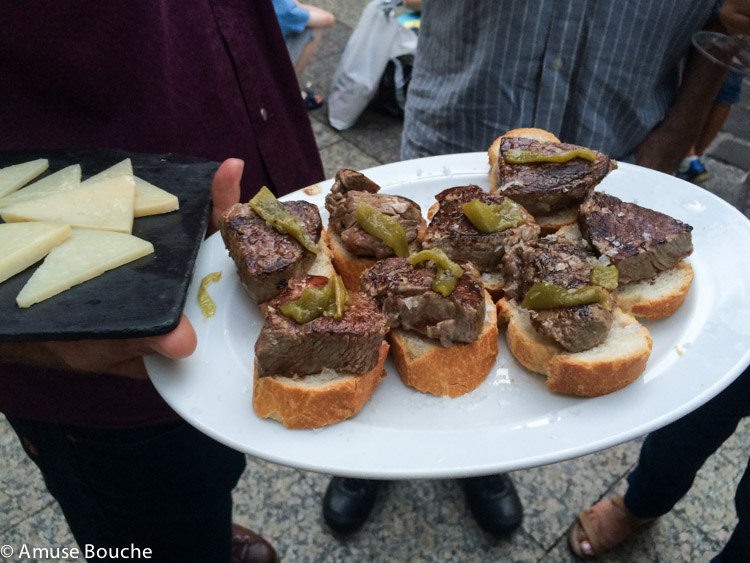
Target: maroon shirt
(207, 78)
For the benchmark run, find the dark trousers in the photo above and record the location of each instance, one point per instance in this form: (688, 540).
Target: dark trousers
(166, 488)
(671, 457)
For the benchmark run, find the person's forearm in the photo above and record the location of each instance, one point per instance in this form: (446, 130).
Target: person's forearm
(666, 145)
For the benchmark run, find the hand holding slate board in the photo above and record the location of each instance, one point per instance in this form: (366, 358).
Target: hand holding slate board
(142, 298)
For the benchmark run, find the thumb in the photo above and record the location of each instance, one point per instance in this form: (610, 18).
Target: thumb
(179, 343)
(225, 188)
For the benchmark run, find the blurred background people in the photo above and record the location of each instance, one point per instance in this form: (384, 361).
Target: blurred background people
(302, 27)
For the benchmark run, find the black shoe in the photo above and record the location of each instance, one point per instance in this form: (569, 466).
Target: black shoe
(494, 503)
(348, 502)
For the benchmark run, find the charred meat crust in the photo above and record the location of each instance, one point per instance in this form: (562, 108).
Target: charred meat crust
(267, 259)
(451, 231)
(641, 242)
(575, 328)
(545, 187)
(351, 188)
(348, 345)
(405, 295)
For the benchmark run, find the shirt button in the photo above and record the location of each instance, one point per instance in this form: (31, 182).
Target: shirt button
(557, 64)
(263, 114)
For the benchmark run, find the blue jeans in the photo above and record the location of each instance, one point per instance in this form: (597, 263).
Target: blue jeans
(671, 457)
(166, 488)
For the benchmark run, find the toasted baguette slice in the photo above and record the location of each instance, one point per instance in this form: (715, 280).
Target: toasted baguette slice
(349, 266)
(527, 132)
(658, 297)
(429, 367)
(315, 400)
(612, 365)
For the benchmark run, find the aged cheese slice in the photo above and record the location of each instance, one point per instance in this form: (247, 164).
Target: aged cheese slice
(84, 255)
(66, 179)
(149, 199)
(17, 175)
(24, 244)
(105, 205)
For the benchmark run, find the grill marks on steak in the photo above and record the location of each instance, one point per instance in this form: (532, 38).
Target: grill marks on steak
(404, 294)
(545, 187)
(348, 345)
(575, 328)
(351, 188)
(639, 241)
(451, 231)
(267, 259)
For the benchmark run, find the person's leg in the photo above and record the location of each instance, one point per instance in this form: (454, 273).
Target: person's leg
(166, 488)
(671, 457)
(307, 52)
(738, 546)
(669, 460)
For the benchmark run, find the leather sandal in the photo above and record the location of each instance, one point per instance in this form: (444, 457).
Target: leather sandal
(602, 527)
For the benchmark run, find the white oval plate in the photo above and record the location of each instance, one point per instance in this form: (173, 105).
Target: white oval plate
(511, 421)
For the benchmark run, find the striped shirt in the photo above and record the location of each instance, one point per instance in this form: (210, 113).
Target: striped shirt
(595, 73)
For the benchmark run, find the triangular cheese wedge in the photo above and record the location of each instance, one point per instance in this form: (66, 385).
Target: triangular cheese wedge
(24, 244)
(105, 205)
(17, 175)
(63, 180)
(86, 254)
(149, 199)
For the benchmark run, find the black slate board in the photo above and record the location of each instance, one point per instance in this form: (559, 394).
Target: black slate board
(142, 298)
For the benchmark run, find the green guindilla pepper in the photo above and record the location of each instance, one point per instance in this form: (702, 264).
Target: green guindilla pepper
(493, 218)
(523, 156)
(383, 227)
(273, 212)
(546, 295)
(605, 276)
(329, 301)
(448, 271)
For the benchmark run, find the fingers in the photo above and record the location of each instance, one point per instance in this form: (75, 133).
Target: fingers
(179, 343)
(225, 188)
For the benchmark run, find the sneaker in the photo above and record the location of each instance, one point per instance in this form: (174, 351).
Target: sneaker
(692, 170)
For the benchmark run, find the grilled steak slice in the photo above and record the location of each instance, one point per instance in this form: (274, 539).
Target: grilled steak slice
(545, 187)
(575, 328)
(641, 242)
(350, 344)
(404, 293)
(451, 231)
(351, 188)
(267, 259)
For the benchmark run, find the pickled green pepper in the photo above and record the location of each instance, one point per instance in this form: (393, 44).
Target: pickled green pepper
(383, 227)
(523, 156)
(273, 212)
(328, 301)
(208, 307)
(605, 276)
(547, 295)
(448, 271)
(493, 218)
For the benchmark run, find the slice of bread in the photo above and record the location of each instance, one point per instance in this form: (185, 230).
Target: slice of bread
(350, 266)
(527, 132)
(658, 297)
(315, 400)
(612, 365)
(429, 367)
